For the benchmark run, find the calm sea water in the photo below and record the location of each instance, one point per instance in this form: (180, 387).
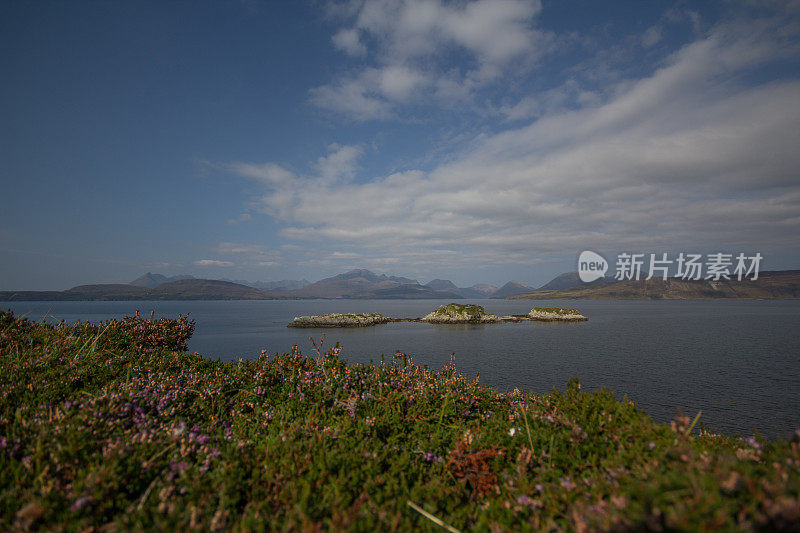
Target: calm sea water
(737, 361)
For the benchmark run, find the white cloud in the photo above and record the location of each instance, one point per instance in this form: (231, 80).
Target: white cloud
(493, 31)
(549, 102)
(268, 173)
(354, 97)
(344, 255)
(237, 248)
(161, 265)
(212, 263)
(244, 217)
(248, 255)
(413, 44)
(688, 157)
(398, 83)
(651, 37)
(348, 41)
(339, 163)
(496, 31)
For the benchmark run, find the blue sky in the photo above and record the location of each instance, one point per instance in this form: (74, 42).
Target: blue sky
(478, 141)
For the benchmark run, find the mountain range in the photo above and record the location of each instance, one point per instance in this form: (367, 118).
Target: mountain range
(355, 284)
(479, 290)
(781, 284)
(364, 284)
(183, 289)
(151, 281)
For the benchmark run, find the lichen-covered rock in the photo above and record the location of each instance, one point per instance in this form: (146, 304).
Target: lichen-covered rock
(339, 320)
(460, 314)
(552, 314)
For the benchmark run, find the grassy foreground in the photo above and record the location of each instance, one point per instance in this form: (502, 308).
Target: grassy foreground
(112, 426)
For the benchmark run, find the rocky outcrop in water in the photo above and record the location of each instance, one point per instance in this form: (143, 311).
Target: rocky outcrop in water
(339, 320)
(460, 314)
(555, 314)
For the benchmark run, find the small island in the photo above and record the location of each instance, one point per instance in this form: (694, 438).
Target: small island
(339, 320)
(460, 314)
(556, 314)
(446, 314)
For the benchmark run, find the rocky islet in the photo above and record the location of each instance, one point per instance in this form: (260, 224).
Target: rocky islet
(446, 314)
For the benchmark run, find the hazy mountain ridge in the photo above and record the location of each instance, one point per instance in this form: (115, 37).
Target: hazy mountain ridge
(476, 291)
(512, 288)
(769, 285)
(442, 285)
(484, 289)
(185, 289)
(152, 281)
(364, 284)
(354, 284)
(282, 285)
(567, 280)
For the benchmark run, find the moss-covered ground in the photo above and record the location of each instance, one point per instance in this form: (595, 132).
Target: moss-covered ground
(113, 426)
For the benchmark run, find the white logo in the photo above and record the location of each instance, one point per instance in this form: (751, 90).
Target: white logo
(591, 266)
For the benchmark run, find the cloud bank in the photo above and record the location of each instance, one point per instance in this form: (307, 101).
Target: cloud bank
(700, 153)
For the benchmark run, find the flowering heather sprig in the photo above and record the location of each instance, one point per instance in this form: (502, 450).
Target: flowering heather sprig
(432, 457)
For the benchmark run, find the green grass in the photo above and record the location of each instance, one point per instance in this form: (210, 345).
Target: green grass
(113, 425)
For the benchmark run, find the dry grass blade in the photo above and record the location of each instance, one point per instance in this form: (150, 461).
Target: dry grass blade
(696, 418)
(527, 427)
(439, 522)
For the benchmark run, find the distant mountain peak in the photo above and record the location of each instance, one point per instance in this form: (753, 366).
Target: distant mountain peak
(512, 288)
(372, 277)
(562, 281)
(442, 285)
(513, 284)
(360, 273)
(363, 283)
(484, 288)
(152, 281)
(568, 280)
